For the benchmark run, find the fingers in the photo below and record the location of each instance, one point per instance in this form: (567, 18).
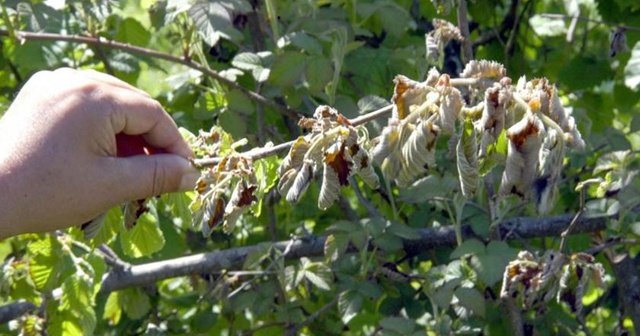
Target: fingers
(133, 111)
(145, 116)
(139, 177)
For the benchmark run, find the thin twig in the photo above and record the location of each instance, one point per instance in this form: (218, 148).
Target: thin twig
(371, 209)
(582, 18)
(572, 27)
(581, 186)
(315, 314)
(99, 41)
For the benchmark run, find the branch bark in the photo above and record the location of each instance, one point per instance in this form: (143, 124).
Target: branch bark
(313, 246)
(15, 309)
(100, 42)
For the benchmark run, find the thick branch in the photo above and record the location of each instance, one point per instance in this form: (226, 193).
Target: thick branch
(313, 246)
(15, 309)
(29, 36)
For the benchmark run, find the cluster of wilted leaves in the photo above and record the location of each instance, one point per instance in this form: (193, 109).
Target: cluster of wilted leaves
(529, 118)
(333, 147)
(213, 205)
(536, 280)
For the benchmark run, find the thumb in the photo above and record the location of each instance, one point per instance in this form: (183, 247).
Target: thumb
(143, 176)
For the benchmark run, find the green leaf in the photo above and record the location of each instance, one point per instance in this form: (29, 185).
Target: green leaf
(470, 246)
(335, 246)
(246, 61)
(112, 309)
(369, 289)
(178, 204)
(544, 26)
(349, 305)
(110, 227)
(46, 266)
(287, 69)
(145, 238)
(403, 231)
(632, 69)
(134, 302)
(301, 40)
(319, 274)
(472, 299)
(318, 73)
(634, 126)
(371, 103)
(575, 76)
(394, 17)
(238, 102)
(131, 31)
(612, 161)
(490, 265)
(213, 21)
(400, 325)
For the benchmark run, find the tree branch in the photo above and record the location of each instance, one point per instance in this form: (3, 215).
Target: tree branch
(313, 246)
(14, 310)
(98, 42)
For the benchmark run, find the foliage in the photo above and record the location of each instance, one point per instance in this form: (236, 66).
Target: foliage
(465, 146)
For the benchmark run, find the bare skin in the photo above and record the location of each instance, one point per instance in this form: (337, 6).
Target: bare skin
(58, 153)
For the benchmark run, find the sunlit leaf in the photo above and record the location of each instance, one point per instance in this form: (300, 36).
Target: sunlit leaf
(287, 69)
(349, 304)
(472, 299)
(131, 31)
(544, 26)
(632, 69)
(145, 238)
(135, 303)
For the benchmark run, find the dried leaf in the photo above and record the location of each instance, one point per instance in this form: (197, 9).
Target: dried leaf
(618, 41)
(131, 211)
(364, 169)
(483, 69)
(450, 106)
(213, 215)
(241, 199)
(301, 182)
(525, 140)
(418, 152)
(330, 190)
(447, 31)
(335, 158)
(433, 49)
(550, 167)
(387, 143)
(407, 93)
(296, 155)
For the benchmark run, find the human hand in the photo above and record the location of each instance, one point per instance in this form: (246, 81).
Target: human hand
(58, 151)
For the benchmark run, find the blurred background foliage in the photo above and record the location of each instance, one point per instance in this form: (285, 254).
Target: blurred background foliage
(344, 53)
